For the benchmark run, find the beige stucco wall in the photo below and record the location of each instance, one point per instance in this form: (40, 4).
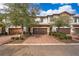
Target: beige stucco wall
(45, 20)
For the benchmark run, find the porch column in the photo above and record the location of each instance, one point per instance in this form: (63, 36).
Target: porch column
(72, 30)
(31, 30)
(48, 30)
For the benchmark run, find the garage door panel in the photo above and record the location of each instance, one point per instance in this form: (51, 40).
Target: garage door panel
(40, 31)
(15, 31)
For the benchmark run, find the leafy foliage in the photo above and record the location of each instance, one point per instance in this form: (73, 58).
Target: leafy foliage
(2, 17)
(62, 21)
(19, 14)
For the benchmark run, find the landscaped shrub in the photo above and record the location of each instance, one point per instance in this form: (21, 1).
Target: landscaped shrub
(17, 38)
(61, 35)
(21, 37)
(69, 37)
(50, 33)
(54, 33)
(12, 38)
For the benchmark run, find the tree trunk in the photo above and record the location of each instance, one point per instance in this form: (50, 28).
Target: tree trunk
(22, 34)
(29, 31)
(50, 30)
(22, 29)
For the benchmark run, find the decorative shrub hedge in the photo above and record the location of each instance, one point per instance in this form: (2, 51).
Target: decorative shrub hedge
(61, 35)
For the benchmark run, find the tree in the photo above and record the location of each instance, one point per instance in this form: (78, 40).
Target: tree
(2, 24)
(59, 23)
(62, 21)
(66, 19)
(19, 15)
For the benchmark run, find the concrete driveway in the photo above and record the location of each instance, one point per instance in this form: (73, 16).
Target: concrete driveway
(39, 50)
(4, 39)
(34, 39)
(41, 39)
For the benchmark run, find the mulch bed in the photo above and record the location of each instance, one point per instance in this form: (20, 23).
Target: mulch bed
(67, 41)
(16, 41)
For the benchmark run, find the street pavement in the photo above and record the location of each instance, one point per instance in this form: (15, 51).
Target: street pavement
(39, 50)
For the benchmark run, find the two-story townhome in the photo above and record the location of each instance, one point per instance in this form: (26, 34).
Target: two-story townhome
(75, 24)
(45, 22)
(43, 25)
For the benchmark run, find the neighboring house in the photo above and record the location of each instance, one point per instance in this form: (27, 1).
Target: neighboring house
(75, 24)
(43, 24)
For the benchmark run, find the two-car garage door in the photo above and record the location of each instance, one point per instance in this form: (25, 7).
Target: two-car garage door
(39, 30)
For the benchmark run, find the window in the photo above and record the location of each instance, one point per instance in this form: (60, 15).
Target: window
(78, 20)
(51, 19)
(41, 19)
(75, 20)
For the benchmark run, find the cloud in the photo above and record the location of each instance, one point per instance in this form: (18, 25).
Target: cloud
(55, 11)
(2, 8)
(67, 8)
(42, 13)
(49, 12)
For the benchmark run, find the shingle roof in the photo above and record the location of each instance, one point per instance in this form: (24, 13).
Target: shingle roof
(77, 15)
(56, 14)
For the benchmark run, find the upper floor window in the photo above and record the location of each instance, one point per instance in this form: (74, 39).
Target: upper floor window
(78, 20)
(75, 20)
(51, 19)
(41, 19)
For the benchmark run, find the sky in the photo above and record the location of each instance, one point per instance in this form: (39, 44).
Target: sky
(55, 8)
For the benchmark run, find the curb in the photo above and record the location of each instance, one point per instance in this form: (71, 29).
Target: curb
(45, 44)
